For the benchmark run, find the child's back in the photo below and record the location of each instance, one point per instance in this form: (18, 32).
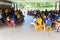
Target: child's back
(18, 16)
(13, 21)
(13, 18)
(48, 22)
(39, 21)
(45, 19)
(39, 26)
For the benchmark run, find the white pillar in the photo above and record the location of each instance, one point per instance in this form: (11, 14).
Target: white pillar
(59, 5)
(13, 5)
(55, 6)
(16, 6)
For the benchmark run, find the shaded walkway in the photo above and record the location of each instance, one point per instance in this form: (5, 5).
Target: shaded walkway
(26, 32)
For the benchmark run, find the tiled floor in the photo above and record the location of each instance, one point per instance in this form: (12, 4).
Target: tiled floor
(26, 32)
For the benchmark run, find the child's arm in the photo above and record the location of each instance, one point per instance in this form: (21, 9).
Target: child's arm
(46, 22)
(34, 20)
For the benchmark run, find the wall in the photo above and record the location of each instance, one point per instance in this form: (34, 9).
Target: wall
(5, 3)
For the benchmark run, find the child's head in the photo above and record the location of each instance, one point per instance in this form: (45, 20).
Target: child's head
(44, 16)
(39, 17)
(56, 14)
(48, 17)
(6, 10)
(49, 13)
(0, 10)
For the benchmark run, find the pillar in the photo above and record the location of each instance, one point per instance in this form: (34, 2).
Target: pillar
(13, 5)
(55, 6)
(16, 6)
(59, 6)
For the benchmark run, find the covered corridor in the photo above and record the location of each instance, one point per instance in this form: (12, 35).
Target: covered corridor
(24, 30)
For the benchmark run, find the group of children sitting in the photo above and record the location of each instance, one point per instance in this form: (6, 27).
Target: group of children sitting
(10, 17)
(45, 22)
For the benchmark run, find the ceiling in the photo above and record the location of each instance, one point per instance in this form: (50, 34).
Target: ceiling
(18, 1)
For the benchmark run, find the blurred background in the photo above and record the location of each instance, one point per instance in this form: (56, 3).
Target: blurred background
(31, 4)
(27, 10)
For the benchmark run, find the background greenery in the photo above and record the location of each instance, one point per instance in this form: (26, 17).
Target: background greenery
(37, 5)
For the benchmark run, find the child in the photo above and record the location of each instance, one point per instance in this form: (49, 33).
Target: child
(59, 19)
(15, 15)
(48, 24)
(52, 16)
(13, 21)
(44, 21)
(1, 15)
(39, 24)
(18, 18)
(8, 21)
(6, 16)
(58, 24)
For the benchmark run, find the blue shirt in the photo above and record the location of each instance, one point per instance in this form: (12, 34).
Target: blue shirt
(13, 19)
(56, 17)
(4, 18)
(45, 19)
(48, 22)
(52, 15)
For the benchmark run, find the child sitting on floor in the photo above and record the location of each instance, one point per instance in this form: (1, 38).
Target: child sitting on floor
(13, 21)
(8, 21)
(18, 18)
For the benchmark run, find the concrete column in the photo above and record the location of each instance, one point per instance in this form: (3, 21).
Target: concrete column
(16, 6)
(55, 6)
(13, 5)
(59, 6)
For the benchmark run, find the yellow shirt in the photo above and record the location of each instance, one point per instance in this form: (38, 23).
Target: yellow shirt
(59, 19)
(8, 19)
(18, 16)
(39, 20)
